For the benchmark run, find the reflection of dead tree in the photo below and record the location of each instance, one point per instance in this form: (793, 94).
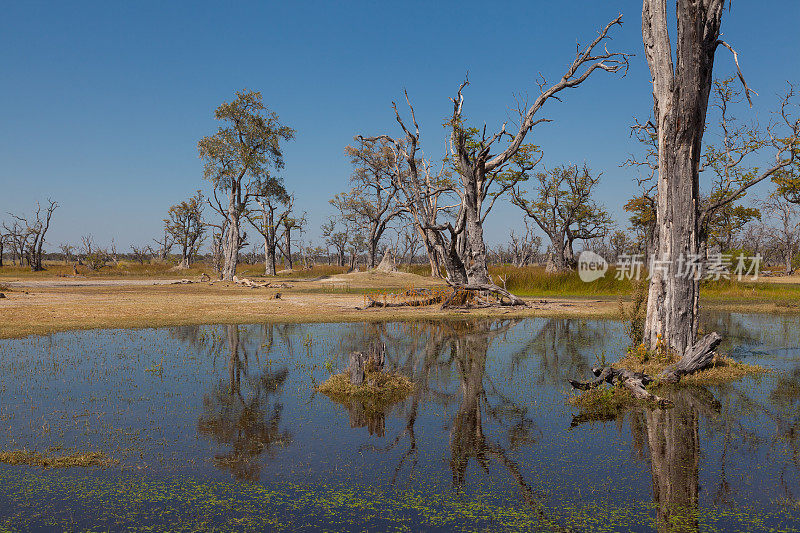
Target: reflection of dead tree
(562, 346)
(238, 412)
(674, 444)
(467, 439)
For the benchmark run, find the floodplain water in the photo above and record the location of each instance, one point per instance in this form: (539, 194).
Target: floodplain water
(220, 428)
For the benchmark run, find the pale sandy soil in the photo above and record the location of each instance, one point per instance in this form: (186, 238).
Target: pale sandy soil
(794, 278)
(50, 305)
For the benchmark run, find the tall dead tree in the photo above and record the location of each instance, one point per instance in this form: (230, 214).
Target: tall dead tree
(478, 168)
(31, 231)
(237, 160)
(483, 175)
(681, 85)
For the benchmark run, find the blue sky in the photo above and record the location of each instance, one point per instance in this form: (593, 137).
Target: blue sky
(103, 103)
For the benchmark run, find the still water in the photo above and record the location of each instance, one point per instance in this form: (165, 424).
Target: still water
(220, 428)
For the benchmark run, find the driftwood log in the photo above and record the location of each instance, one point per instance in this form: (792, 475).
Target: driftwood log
(360, 362)
(697, 357)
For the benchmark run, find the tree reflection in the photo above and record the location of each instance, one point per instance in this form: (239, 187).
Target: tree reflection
(432, 353)
(674, 444)
(244, 412)
(467, 439)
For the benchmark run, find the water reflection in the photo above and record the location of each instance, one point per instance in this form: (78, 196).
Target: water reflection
(673, 444)
(244, 411)
(488, 420)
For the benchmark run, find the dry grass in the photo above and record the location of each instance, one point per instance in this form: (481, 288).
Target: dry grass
(723, 369)
(53, 460)
(43, 307)
(48, 310)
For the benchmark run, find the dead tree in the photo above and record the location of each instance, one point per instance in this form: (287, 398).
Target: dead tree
(31, 233)
(139, 254)
(17, 237)
(681, 86)
(483, 176)
(93, 256)
(523, 248)
(478, 168)
(784, 234)
(164, 245)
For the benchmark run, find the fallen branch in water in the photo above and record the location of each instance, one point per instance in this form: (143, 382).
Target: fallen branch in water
(697, 357)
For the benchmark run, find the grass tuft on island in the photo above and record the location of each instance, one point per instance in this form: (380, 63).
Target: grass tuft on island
(723, 369)
(53, 460)
(602, 403)
(379, 390)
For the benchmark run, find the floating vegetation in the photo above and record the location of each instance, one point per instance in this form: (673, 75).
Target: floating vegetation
(53, 460)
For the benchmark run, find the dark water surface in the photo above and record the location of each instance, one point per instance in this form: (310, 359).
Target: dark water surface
(219, 427)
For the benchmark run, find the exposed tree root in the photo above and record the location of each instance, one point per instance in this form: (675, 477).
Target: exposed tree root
(697, 357)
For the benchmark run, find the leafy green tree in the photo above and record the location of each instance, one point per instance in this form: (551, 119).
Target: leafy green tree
(274, 205)
(239, 158)
(563, 208)
(185, 225)
(370, 205)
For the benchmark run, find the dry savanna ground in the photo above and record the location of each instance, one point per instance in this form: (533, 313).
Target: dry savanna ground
(154, 296)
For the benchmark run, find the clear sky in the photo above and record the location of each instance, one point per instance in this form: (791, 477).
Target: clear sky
(102, 103)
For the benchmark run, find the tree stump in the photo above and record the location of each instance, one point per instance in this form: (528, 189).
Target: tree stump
(358, 363)
(361, 362)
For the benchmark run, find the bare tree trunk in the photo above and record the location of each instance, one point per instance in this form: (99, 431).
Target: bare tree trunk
(269, 242)
(288, 251)
(373, 251)
(680, 95)
(230, 245)
(477, 269)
